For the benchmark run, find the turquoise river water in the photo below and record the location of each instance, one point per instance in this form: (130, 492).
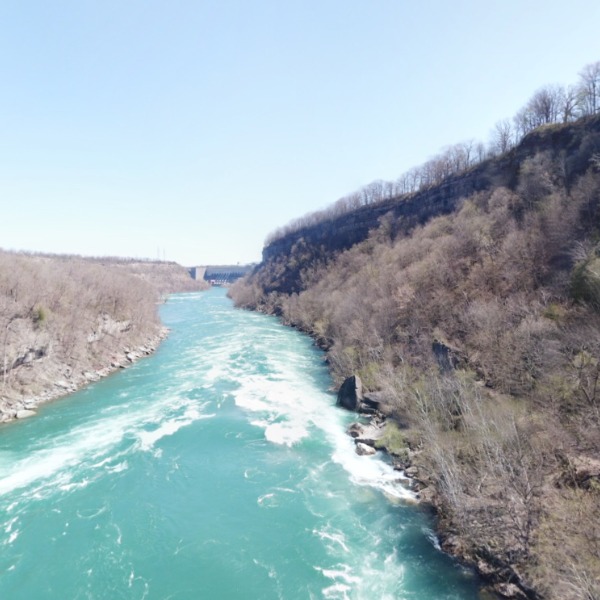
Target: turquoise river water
(218, 468)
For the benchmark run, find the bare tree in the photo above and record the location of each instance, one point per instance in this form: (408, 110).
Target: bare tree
(502, 137)
(570, 104)
(589, 88)
(546, 103)
(549, 104)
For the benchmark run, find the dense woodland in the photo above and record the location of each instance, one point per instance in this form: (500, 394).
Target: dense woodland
(481, 329)
(65, 319)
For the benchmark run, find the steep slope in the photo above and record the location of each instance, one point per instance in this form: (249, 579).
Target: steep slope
(288, 259)
(65, 321)
(478, 325)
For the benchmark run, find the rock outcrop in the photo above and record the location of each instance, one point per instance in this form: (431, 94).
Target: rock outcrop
(73, 380)
(350, 394)
(364, 449)
(285, 258)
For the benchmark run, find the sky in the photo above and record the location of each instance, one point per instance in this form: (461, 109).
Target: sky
(188, 130)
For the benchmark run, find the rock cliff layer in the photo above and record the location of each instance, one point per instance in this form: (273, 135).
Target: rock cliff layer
(570, 145)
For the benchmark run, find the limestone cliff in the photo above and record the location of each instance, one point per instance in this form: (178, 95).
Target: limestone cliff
(570, 144)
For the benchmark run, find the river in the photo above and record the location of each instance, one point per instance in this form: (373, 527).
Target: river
(218, 468)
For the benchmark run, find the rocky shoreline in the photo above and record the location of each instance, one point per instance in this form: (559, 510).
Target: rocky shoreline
(372, 434)
(73, 381)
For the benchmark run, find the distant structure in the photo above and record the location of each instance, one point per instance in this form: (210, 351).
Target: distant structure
(220, 274)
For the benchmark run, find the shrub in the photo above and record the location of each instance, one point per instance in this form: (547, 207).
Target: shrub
(393, 441)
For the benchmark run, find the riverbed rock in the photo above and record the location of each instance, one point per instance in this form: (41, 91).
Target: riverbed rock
(350, 394)
(24, 413)
(364, 449)
(355, 429)
(366, 434)
(411, 472)
(509, 590)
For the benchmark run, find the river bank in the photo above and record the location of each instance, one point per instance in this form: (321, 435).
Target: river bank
(474, 305)
(73, 381)
(377, 430)
(66, 321)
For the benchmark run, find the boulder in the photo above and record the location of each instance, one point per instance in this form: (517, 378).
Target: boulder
(411, 472)
(355, 430)
(509, 590)
(372, 402)
(580, 472)
(427, 495)
(350, 394)
(364, 449)
(448, 357)
(24, 413)
(370, 434)
(485, 569)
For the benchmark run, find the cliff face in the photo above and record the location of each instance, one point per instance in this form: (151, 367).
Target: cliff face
(570, 144)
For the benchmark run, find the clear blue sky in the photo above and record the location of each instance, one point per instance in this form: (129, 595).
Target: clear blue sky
(191, 129)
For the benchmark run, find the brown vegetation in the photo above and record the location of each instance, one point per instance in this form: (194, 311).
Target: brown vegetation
(552, 104)
(482, 328)
(65, 319)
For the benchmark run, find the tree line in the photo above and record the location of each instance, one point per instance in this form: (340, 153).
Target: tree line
(548, 105)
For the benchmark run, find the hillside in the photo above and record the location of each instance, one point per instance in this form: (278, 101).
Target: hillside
(570, 145)
(472, 308)
(66, 321)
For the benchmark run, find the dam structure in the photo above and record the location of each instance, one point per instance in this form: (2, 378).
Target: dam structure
(220, 274)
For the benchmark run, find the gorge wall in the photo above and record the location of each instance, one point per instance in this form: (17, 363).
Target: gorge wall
(572, 144)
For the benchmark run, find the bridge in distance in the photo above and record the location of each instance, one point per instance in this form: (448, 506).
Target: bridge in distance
(220, 274)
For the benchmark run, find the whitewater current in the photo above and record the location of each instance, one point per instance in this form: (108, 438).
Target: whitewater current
(218, 468)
